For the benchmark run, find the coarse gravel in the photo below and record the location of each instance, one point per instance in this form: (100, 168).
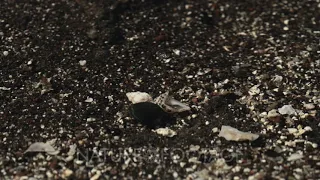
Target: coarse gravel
(67, 65)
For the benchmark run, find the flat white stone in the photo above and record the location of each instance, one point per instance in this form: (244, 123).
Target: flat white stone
(233, 134)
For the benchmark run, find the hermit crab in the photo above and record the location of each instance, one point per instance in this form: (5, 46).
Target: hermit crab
(154, 113)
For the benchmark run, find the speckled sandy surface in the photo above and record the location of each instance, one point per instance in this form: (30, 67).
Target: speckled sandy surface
(66, 67)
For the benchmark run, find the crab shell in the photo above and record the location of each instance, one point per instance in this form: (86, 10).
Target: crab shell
(171, 105)
(138, 97)
(150, 114)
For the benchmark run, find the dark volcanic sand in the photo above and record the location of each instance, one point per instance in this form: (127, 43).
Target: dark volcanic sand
(209, 54)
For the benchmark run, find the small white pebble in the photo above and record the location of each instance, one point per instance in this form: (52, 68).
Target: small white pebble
(165, 132)
(314, 145)
(116, 138)
(96, 176)
(236, 169)
(82, 62)
(176, 51)
(263, 114)
(182, 164)
(307, 128)
(283, 137)
(49, 174)
(91, 119)
(67, 173)
(292, 130)
(286, 28)
(78, 162)
(298, 170)
(236, 178)
(194, 147)
(246, 170)
(5, 53)
(89, 100)
(175, 175)
(215, 130)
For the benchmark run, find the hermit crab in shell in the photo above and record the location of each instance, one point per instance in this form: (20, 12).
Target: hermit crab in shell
(154, 113)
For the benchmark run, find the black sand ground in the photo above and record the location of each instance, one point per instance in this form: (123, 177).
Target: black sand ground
(215, 50)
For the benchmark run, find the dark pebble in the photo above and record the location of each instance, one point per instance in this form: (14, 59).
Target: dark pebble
(272, 153)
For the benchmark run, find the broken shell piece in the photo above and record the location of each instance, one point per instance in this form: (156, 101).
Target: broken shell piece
(277, 80)
(254, 90)
(309, 106)
(165, 132)
(42, 147)
(287, 109)
(71, 153)
(171, 105)
(273, 113)
(138, 97)
(233, 134)
(294, 157)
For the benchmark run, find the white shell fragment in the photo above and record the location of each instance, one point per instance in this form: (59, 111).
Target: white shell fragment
(277, 80)
(309, 106)
(71, 152)
(254, 90)
(42, 147)
(171, 105)
(5, 88)
(294, 157)
(88, 100)
(137, 97)
(287, 109)
(273, 113)
(176, 51)
(165, 132)
(233, 134)
(215, 130)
